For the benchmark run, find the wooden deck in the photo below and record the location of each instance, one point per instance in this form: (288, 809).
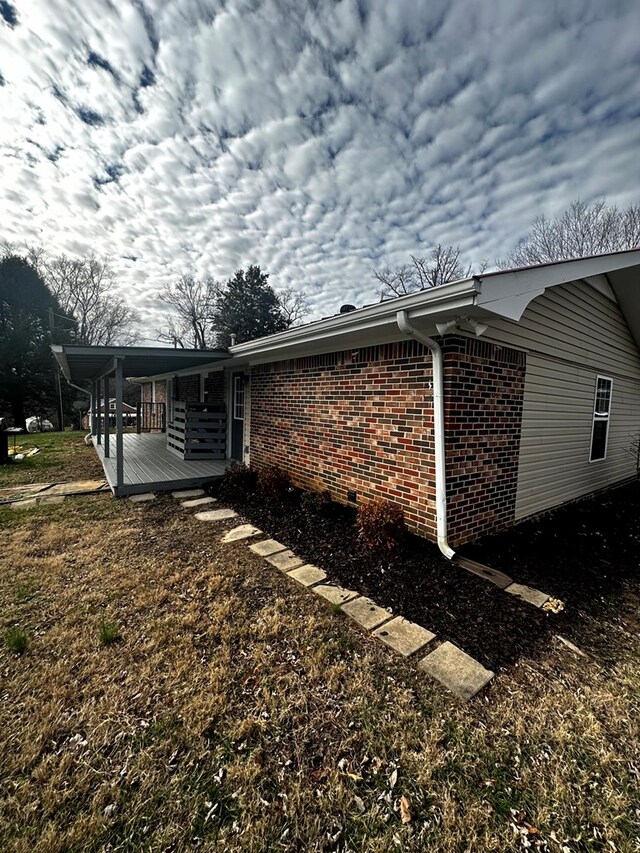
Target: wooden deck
(150, 467)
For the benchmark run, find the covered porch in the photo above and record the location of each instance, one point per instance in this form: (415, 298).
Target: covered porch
(136, 463)
(149, 466)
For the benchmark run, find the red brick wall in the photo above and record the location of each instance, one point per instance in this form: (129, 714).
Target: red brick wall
(188, 388)
(358, 420)
(161, 391)
(214, 387)
(484, 388)
(146, 392)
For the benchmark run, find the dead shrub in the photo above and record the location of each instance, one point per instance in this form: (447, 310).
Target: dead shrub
(273, 482)
(380, 524)
(238, 481)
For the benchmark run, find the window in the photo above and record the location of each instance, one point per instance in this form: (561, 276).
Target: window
(238, 398)
(601, 411)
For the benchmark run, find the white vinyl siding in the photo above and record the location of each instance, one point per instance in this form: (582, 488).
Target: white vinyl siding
(572, 334)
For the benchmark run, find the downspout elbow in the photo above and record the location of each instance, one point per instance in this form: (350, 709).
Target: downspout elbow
(404, 324)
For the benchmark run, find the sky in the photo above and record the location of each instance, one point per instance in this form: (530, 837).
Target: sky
(318, 139)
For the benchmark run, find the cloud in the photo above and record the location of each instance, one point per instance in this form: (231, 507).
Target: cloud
(317, 140)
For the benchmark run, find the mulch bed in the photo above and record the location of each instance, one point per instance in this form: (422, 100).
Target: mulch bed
(586, 554)
(414, 580)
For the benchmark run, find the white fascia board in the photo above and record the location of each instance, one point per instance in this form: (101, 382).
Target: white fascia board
(508, 293)
(366, 323)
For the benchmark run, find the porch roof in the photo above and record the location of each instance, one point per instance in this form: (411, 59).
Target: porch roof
(82, 364)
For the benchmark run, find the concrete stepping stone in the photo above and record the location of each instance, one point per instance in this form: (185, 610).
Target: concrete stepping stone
(188, 493)
(527, 593)
(198, 502)
(244, 531)
(30, 502)
(366, 613)
(403, 636)
(458, 671)
(335, 594)
(216, 515)
(284, 560)
(307, 575)
(55, 499)
(147, 496)
(267, 548)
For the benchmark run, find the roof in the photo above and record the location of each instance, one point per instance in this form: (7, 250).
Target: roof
(82, 364)
(505, 294)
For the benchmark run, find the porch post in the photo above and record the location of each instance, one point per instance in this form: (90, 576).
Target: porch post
(94, 406)
(119, 428)
(105, 416)
(98, 418)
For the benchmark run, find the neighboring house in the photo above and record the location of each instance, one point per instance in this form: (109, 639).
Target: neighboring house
(473, 405)
(129, 414)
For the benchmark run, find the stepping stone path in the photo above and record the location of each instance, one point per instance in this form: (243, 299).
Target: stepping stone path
(448, 664)
(267, 548)
(366, 613)
(452, 667)
(284, 560)
(55, 499)
(403, 636)
(308, 575)
(30, 502)
(527, 593)
(244, 531)
(216, 515)
(188, 493)
(334, 594)
(198, 502)
(147, 496)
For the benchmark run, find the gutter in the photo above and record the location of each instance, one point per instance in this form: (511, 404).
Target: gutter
(402, 319)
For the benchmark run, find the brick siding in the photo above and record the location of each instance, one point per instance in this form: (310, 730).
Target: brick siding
(214, 387)
(146, 392)
(187, 388)
(484, 389)
(161, 391)
(357, 420)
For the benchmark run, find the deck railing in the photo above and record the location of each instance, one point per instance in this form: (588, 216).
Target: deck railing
(151, 417)
(197, 431)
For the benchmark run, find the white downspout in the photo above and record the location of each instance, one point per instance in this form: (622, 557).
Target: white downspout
(402, 319)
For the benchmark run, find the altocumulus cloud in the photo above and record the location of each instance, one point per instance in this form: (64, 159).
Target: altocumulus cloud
(315, 139)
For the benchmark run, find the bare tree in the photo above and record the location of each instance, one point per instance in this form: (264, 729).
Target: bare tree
(86, 290)
(294, 305)
(582, 229)
(440, 266)
(193, 304)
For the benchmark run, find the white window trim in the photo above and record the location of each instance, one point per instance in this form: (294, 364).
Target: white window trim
(600, 418)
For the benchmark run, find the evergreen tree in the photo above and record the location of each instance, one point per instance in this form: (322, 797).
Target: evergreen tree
(27, 366)
(247, 307)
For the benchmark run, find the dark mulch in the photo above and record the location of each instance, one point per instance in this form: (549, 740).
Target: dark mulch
(414, 580)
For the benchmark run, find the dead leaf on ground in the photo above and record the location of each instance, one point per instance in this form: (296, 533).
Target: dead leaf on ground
(405, 809)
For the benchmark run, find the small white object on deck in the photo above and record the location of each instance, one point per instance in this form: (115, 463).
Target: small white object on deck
(216, 515)
(188, 493)
(147, 496)
(243, 531)
(198, 502)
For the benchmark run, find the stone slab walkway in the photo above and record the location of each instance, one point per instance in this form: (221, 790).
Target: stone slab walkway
(216, 515)
(462, 674)
(198, 502)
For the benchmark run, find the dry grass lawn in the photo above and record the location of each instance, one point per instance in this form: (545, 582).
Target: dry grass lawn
(238, 712)
(63, 456)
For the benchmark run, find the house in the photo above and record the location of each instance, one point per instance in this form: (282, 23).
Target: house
(473, 405)
(129, 414)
